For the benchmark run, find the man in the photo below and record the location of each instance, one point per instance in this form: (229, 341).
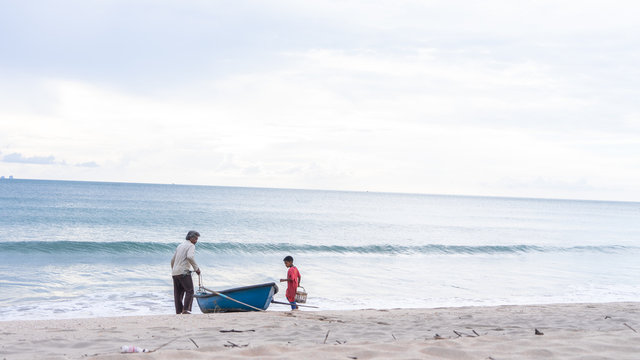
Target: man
(182, 282)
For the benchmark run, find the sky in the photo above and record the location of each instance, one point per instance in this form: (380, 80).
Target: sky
(490, 98)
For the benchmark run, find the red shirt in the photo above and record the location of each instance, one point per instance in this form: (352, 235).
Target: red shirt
(293, 280)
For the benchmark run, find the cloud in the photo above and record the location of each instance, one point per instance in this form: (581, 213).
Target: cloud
(44, 160)
(90, 164)
(338, 127)
(19, 158)
(182, 42)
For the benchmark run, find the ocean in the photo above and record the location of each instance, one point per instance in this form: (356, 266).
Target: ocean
(89, 249)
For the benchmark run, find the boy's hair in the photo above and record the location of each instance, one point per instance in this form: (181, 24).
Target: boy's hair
(288, 258)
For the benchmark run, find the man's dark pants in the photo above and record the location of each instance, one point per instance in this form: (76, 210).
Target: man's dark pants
(183, 286)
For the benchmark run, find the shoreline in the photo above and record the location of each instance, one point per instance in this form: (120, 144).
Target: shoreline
(570, 331)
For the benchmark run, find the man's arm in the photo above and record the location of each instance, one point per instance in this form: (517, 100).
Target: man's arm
(191, 259)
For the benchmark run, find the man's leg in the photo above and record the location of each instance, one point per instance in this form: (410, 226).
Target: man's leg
(178, 292)
(187, 284)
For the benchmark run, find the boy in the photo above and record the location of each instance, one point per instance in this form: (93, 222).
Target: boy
(293, 280)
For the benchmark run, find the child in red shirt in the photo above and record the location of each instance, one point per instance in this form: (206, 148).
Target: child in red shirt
(293, 280)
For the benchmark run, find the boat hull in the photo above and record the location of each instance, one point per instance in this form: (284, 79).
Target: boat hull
(258, 296)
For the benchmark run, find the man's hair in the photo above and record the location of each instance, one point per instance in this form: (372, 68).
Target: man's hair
(288, 258)
(191, 234)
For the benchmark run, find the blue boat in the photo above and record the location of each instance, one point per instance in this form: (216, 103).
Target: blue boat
(246, 298)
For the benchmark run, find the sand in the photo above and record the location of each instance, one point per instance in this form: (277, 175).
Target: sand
(570, 331)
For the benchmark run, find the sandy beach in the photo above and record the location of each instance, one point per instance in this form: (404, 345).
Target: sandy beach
(565, 331)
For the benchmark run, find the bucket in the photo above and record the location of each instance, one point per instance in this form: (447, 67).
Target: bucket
(301, 295)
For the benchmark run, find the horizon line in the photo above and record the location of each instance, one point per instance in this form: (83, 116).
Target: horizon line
(13, 178)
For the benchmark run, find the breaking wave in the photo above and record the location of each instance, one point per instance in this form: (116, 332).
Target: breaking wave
(142, 248)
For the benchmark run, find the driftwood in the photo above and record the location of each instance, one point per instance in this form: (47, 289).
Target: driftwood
(194, 343)
(232, 345)
(627, 325)
(326, 336)
(460, 333)
(538, 332)
(235, 331)
(394, 337)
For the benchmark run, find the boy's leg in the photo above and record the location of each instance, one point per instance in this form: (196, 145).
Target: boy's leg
(294, 306)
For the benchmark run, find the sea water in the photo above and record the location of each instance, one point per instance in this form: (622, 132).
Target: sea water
(85, 249)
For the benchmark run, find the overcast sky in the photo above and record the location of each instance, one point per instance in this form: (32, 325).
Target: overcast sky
(506, 98)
